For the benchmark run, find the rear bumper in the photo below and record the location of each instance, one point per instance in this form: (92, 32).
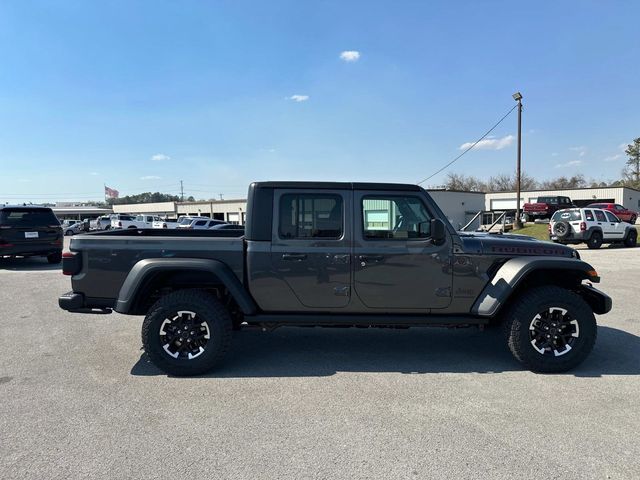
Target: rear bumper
(29, 250)
(77, 303)
(575, 237)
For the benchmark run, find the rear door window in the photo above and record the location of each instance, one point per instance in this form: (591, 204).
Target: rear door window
(310, 216)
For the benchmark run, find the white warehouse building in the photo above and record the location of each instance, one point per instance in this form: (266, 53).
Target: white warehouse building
(625, 196)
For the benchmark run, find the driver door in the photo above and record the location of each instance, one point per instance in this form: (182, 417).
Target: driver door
(396, 264)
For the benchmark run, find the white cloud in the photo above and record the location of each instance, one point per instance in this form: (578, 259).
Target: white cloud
(298, 98)
(613, 158)
(150, 177)
(582, 150)
(160, 157)
(491, 143)
(571, 163)
(350, 55)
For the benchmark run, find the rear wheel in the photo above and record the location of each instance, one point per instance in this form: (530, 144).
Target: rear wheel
(631, 240)
(186, 332)
(595, 240)
(550, 329)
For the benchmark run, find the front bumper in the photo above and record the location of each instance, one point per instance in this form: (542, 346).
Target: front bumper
(599, 301)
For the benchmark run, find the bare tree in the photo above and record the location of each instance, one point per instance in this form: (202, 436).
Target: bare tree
(631, 173)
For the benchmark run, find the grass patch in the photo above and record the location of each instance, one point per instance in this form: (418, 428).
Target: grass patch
(535, 230)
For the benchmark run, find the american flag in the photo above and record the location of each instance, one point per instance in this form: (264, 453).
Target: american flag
(111, 192)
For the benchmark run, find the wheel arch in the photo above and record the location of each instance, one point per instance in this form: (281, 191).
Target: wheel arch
(519, 274)
(150, 276)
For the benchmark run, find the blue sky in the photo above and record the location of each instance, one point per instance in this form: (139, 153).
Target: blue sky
(139, 95)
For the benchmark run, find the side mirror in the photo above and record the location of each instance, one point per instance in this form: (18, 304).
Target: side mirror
(438, 230)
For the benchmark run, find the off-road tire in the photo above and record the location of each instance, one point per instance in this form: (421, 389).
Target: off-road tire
(208, 309)
(632, 220)
(55, 258)
(519, 316)
(631, 240)
(595, 240)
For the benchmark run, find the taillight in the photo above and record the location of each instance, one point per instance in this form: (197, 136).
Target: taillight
(71, 263)
(583, 226)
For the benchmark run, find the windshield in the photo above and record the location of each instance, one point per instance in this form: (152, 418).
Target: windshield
(27, 217)
(552, 200)
(566, 216)
(185, 221)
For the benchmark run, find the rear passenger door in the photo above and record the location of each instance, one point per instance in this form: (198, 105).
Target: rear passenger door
(310, 249)
(602, 222)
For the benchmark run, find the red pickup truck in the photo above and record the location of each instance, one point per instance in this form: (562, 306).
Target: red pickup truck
(618, 210)
(545, 207)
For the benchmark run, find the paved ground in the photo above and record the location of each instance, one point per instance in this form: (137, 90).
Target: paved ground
(77, 399)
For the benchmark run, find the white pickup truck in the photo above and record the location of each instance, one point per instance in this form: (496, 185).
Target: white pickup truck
(129, 221)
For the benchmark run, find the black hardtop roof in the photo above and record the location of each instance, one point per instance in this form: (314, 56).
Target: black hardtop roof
(339, 186)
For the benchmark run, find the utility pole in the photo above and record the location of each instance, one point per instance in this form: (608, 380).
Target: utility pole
(181, 191)
(518, 98)
(221, 196)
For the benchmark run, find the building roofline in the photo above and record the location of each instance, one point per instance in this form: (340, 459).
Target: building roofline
(565, 189)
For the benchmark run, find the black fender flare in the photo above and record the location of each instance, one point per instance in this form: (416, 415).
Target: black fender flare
(143, 269)
(496, 293)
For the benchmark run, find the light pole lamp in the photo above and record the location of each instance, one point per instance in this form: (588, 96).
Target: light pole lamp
(518, 98)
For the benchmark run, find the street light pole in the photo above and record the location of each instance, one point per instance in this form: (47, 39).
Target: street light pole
(518, 98)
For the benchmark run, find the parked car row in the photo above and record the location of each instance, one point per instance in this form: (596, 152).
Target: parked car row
(546, 207)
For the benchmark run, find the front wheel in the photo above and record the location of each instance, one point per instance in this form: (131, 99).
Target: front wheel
(632, 220)
(550, 329)
(186, 332)
(595, 240)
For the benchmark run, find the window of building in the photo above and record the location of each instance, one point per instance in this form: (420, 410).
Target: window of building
(311, 216)
(395, 217)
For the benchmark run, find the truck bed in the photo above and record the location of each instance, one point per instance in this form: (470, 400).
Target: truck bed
(108, 257)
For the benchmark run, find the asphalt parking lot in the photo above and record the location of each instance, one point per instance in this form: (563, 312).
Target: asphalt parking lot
(78, 400)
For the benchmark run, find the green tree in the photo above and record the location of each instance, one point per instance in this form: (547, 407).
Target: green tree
(632, 172)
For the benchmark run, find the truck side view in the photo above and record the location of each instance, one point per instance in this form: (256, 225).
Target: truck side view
(335, 254)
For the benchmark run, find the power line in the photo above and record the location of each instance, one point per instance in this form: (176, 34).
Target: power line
(473, 145)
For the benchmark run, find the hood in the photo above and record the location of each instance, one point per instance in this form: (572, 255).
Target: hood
(512, 245)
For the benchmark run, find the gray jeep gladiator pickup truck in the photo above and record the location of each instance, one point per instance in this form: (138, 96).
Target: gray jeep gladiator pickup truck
(335, 254)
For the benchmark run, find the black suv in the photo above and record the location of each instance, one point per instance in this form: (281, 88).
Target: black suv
(29, 231)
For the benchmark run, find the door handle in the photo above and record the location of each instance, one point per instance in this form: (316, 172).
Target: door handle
(370, 258)
(294, 257)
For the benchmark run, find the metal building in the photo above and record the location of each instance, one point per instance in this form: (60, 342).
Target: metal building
(625, 196)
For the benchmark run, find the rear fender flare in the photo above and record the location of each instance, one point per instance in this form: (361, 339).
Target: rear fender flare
(144, 269)
(514, 271)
